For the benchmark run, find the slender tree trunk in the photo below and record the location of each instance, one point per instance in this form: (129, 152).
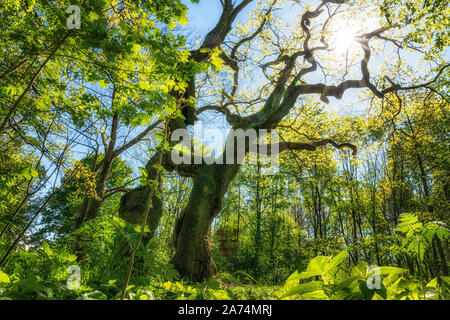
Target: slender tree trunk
(258, 201)
(94, 203)
(436, 244)
(442, 257)
(90, 206)
(82, 214)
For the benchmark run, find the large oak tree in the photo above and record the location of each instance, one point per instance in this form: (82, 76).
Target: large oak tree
(289, 62)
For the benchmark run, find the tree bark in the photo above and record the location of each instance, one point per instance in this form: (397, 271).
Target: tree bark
(193, 257)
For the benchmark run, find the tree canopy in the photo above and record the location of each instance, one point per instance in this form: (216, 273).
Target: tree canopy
(348, 99)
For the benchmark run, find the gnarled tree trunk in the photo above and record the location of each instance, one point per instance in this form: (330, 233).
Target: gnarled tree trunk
(193, 257)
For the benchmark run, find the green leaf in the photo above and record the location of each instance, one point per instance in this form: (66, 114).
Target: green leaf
(315, 295)
(376, 296)
(112, 282)
(382, 291)
(446, 280)
(306, 275)
(137, 47)
(366, 292)
(304, 288)
(213, 284)
(292, 281)
(93, 16)
(139, 229)
(48, 251)
(71, 258)
(34, 173)
(103, 83)
(391, 270)
(336, 261)
(144, 85)
(432, 283)
(182, 21)
(360, 270)
(4, 278)
(317, 264)
(346, 282)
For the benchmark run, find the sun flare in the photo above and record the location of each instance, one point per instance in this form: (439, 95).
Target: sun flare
(344, 31)
(344, 39)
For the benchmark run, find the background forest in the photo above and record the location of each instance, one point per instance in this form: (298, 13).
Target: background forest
(91, 206)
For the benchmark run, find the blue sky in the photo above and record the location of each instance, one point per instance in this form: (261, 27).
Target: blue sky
(203, 16)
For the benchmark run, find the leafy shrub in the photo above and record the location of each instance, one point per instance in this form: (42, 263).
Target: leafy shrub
(329, 278)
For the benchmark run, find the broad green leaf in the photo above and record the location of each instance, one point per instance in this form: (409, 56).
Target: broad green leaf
(390, 270)
(292, 281)
(432, 283)
(346, 283)
(304, 288)
(315, 295)
(376, 296)
(317, 264)
(306, 275)
(365, 291)
(360, 270)
(446, 280)
(336, 261)
(213, 284)
(4, 278)
(112, 282)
